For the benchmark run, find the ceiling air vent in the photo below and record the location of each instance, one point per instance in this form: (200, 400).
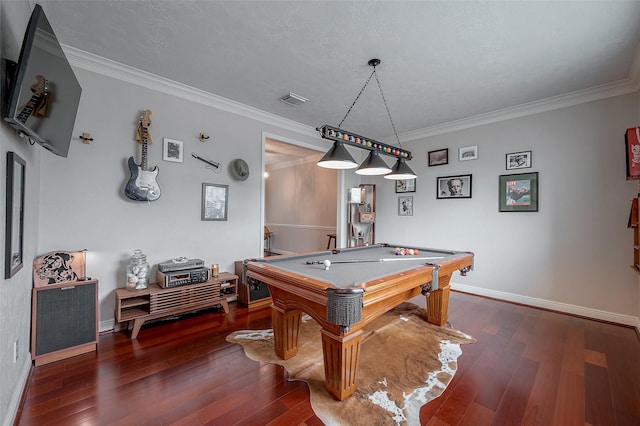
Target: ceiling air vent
(293, 99)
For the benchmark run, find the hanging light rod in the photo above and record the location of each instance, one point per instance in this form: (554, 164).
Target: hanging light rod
(338, 157)
(349, 138)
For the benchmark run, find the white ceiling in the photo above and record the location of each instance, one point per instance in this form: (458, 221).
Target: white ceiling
(442, 61)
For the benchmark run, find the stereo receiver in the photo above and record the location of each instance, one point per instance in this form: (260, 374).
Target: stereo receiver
(177, 278)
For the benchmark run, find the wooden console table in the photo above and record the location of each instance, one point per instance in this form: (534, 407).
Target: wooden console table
(138, 306)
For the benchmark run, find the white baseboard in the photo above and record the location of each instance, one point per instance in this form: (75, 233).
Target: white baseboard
(17, 391)
(106, 325)
(548, 304)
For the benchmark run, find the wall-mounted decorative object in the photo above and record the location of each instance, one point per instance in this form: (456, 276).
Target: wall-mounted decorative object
(405, 206)
(14, 230)
(518, 160)
(438, 157)
(143, 183)
(239, 169)
(405, 185)
(214, 201)
(519, 192)
(212, 165)
(468, 153)
(172, 150)
(632, 144)
(86, 138)
(453, 186)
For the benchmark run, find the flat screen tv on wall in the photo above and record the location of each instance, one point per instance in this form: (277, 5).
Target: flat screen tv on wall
(42, 91)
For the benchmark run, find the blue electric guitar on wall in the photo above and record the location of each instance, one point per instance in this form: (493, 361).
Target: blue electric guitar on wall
(142, 185)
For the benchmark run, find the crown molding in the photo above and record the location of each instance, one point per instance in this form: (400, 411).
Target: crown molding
(604, 91)
(121, 72)
(109, 68)
(634, 73)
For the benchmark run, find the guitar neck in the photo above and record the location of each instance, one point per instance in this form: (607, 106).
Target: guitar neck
(143, 164)
(28, 109)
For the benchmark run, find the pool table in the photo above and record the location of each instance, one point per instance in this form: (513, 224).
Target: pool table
(353, 288)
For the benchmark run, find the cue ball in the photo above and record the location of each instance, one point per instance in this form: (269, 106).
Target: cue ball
(326, 263)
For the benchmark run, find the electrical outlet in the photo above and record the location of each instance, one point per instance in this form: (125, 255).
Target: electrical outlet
(15, 350)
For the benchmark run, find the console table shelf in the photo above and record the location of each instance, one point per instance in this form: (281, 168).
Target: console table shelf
(138, 306)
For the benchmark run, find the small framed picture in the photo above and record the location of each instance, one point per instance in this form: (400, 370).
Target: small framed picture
(454, 186)
(519, 192)
(405, 185)
(405, 206)
(518, 160)
(438, 157)
(468, 153)
(172, 150)
(214, 201)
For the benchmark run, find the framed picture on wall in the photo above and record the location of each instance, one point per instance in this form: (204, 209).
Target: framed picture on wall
(468, 153)
(453, 186)
(14, 229)
(518, 160)
(405, 206)
(519, 192)
(214, 201)
(405, 185)
(438, 157)
(172, 150)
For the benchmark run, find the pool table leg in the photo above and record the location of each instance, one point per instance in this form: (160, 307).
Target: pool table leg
(341, 359)
(438, 302)
(286, 331)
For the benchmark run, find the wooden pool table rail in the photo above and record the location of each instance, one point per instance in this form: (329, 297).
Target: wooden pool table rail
(293, 293)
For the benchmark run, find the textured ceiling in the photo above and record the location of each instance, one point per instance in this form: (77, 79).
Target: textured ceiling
(441, 61)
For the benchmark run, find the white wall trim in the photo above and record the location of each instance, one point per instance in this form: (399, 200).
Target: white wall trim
(297, 162)
(125, 73)
(309, 227)
(17, 391)
(604, 91)
(548, 304)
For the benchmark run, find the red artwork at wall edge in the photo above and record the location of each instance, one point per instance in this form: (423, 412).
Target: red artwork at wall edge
(632, 143)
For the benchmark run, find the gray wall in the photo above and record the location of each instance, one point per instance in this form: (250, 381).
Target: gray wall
(15, 293)
(572, 255)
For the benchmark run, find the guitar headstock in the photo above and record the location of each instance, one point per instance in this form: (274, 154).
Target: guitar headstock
(143, 132)
(39, 88)
(145, 119)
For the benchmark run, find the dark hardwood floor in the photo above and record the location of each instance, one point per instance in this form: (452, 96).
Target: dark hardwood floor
(528, 367)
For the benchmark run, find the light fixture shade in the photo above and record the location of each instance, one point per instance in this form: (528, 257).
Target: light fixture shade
(337, 158)
(401, 170)
(373, 165)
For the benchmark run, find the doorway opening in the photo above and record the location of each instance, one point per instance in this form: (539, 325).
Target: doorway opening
(300, 199)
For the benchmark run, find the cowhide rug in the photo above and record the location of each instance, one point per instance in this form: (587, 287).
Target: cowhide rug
(405, 362)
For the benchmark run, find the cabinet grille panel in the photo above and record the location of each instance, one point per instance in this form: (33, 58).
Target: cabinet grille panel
(65, 317)
(185, 297)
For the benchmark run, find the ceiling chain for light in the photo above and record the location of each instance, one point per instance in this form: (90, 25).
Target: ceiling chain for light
(374, 63)
(339, 158)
